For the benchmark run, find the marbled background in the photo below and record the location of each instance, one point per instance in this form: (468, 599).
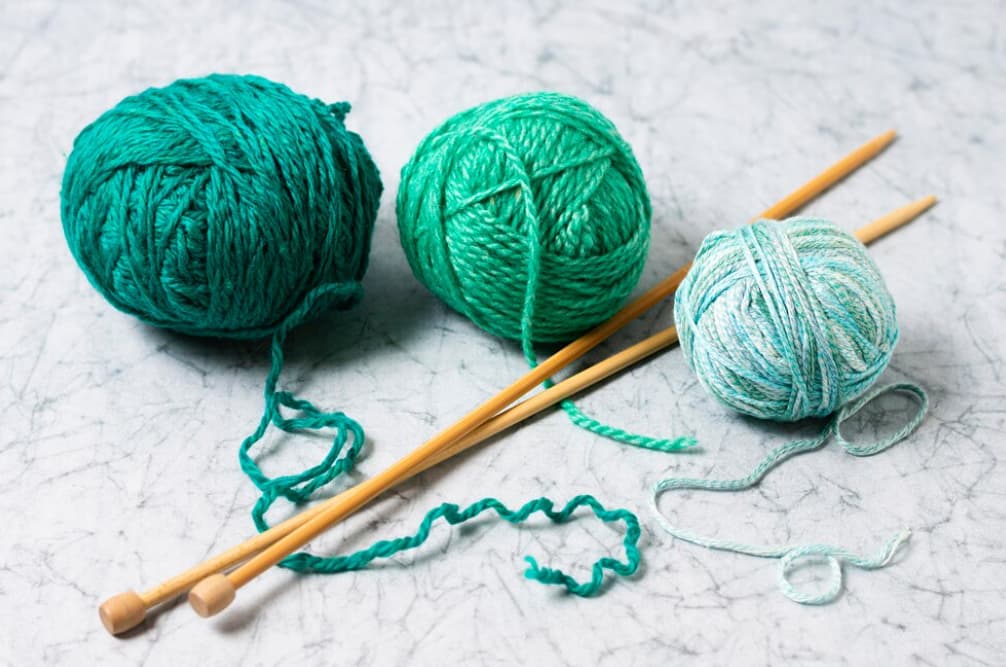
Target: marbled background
(118, 459)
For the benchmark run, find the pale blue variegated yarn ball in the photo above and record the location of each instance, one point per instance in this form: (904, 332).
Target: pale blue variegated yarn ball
(785, 320)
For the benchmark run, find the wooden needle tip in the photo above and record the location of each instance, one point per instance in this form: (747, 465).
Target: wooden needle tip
(212, 595)
(881, 142)
(916, 208)
(897, 218)
(122, 612)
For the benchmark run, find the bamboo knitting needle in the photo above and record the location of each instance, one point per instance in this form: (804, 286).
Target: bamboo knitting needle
(217, 591)
(126, 610)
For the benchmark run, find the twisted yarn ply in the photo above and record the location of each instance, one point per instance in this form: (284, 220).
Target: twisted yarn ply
(528, 215)
(785, 320)
(214, 206)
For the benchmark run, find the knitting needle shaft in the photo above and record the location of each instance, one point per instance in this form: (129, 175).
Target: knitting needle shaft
(126, 610)
(216, 592)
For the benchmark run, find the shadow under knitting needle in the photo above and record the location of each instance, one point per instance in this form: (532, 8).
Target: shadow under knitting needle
(150, 620)
(361, 536)
(246, 613)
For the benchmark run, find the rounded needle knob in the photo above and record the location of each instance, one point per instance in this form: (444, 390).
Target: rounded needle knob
(122, 612)
(212, 595)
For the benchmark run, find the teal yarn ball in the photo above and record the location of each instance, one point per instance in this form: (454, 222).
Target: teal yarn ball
(785, 320)
(528, 214)
(214, 206)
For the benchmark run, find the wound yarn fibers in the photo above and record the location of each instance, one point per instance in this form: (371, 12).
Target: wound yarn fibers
(214, 206)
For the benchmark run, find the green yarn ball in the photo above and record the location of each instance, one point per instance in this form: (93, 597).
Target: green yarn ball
(214, 206)
(785, 320)
(531, 205)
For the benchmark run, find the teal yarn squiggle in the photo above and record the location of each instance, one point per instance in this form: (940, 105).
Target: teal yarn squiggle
(453, 515)
(340, 459)
(785, 320)
(530, 216)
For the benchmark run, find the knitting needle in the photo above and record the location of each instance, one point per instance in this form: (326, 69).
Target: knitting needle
(217, 591)
(127, 610)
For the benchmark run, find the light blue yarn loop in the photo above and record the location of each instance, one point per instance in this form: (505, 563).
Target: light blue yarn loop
(789, 555)
(834, 557)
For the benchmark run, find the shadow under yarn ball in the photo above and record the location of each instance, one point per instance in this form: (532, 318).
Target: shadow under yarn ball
(785, 320)
(528, 206)
(214, 206)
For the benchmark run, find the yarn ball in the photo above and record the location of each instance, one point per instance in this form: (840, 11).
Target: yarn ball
(214, 206)
(528, 202)
(785, 320)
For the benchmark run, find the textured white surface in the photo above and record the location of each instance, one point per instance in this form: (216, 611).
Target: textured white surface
(118, 458)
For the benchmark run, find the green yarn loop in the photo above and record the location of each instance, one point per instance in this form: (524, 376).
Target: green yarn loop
(529, 215)
(214, 206)
(339, 459)
(785, 320)
(297, 488)
(453, 515)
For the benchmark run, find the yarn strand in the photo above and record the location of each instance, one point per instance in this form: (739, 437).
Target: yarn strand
(588, 423)
(298, 488)
(790, 555)
(576, 416)
(453, 515)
